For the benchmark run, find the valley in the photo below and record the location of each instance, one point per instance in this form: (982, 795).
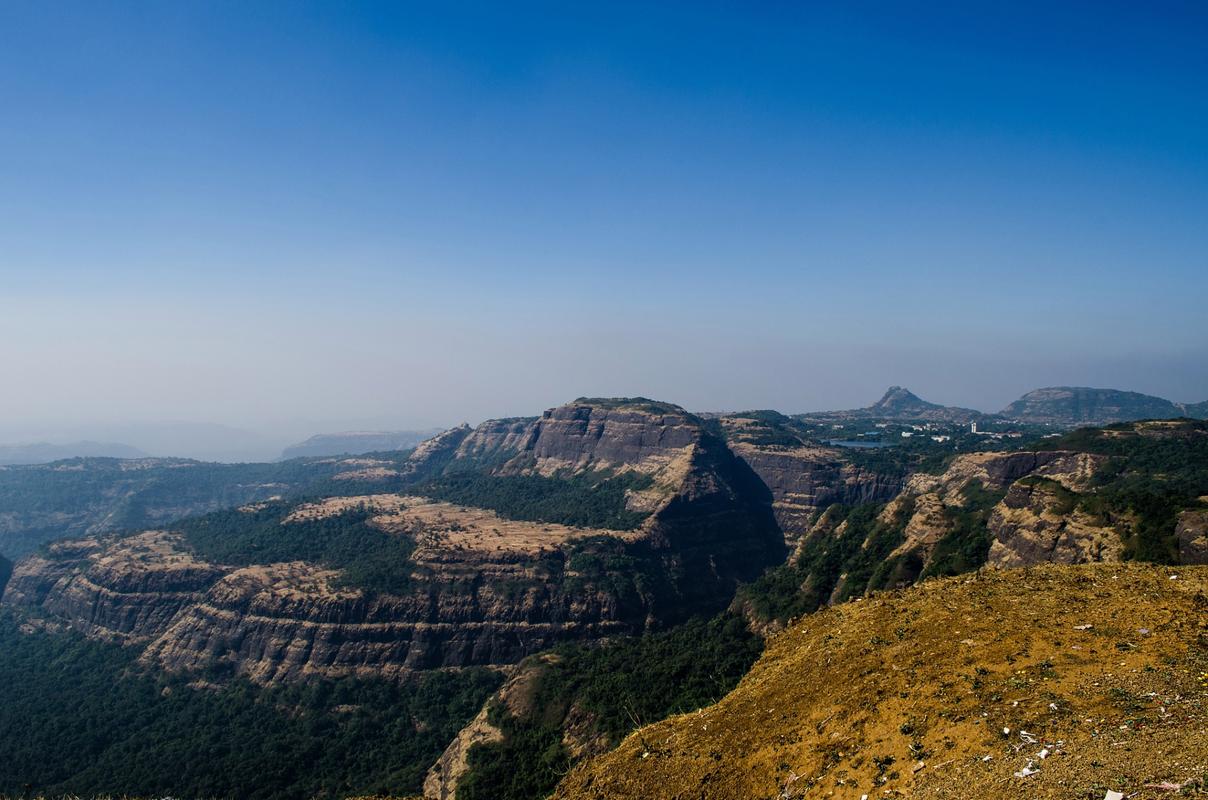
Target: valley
(581, 573)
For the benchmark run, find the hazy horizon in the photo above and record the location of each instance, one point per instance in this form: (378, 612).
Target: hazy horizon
(208, 439)
(304, 218)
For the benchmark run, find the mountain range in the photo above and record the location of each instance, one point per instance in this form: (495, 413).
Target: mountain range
(1056, 406)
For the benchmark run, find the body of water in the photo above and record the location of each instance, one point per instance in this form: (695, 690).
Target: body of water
(859, 444)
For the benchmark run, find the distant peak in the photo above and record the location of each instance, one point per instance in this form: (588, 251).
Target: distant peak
(898, 396)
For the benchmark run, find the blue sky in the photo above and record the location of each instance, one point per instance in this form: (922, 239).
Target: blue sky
(415, 214)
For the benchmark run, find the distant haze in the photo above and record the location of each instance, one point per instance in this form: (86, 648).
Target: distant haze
(293, 220)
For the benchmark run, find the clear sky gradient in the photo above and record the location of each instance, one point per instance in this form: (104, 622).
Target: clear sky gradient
(398, 214)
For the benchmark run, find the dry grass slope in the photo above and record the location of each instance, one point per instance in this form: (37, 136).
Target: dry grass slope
(1053, 682)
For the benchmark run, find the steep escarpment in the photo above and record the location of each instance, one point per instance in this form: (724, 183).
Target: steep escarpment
(804, 480)
(1051, 682)
(599, 434)
(803, 477)
(467, 448)
(1136, 491)
(125, 590)
(391, 584)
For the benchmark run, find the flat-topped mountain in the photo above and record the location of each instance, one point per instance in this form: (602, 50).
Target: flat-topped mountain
(1079, 405)
(356, 443)
(595, 519)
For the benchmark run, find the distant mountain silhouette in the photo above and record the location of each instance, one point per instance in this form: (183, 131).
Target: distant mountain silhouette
(900, 403)
(45, 452)
(1081, 405)
(357, 442)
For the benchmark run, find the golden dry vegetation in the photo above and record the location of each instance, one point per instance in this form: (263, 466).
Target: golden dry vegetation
(1051, 682)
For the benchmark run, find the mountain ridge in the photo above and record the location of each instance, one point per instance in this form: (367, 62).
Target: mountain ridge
(355, 443)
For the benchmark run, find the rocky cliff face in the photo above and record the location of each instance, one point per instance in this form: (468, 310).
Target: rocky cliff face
(1033, 518)
(1037, 522)
(483, 590)
(287, 621)
(1192, 532)
(462, 448)
(996, 471)
(804, 480)
(123, 590)
(591, 436)
(803, 477)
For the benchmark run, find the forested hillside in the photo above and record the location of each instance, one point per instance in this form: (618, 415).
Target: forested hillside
(90, 722)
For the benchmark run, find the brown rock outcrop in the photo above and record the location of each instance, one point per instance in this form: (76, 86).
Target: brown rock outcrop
(805, 480)
(1192, 532)
(1037, 522)
(126, 590)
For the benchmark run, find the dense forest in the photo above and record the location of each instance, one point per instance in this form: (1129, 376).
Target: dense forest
(368, 557)
(585, 501)
(610, 689)
(79, 717)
